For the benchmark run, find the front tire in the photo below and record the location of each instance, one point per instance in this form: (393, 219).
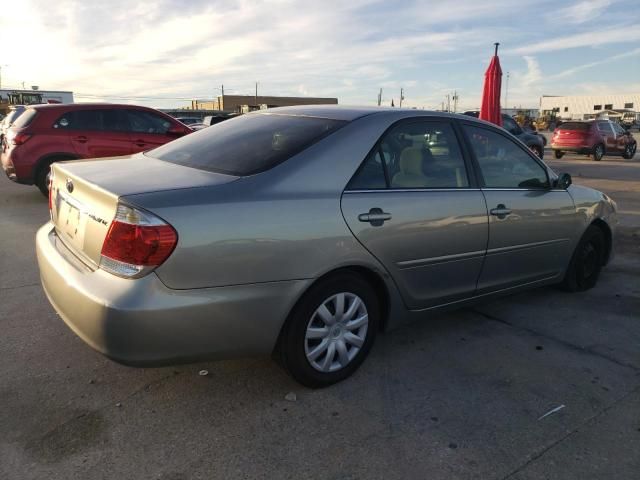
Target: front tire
(330, 331)
(629, 151)
(586, 263)
(558, 154)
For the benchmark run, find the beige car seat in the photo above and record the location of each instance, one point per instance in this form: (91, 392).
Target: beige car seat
(410, 174)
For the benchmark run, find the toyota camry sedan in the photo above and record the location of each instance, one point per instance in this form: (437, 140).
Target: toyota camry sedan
(305, 231)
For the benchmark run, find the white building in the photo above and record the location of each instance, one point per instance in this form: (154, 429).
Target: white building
(584, 107)
(34, 96)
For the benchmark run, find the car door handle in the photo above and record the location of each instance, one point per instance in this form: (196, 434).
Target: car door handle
(500, 211)
(140, 143)
(375, 217)
(81, 139)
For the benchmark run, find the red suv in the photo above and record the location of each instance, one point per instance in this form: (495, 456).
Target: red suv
(596, 138)
(44, 134)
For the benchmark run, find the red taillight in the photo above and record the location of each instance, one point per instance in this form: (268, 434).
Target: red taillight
(20, 138)
(136, 243)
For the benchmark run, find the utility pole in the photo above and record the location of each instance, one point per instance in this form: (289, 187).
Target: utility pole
(380, 97)
(455, 101)
(506, 93)
(401, 96)
(221, 102)
(256, 94)
(448, 103)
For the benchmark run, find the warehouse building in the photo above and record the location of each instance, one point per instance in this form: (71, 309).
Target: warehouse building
(248, 103)
(585, 107)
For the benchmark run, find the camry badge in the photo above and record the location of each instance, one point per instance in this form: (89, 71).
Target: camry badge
(69, 185)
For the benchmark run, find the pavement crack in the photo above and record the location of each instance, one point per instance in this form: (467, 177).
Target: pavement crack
(572, 346)
(20, 286)
(569, 434)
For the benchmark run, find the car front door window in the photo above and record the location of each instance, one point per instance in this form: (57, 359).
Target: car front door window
(503, 163)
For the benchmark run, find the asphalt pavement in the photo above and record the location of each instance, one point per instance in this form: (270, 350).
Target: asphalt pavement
(541, 385)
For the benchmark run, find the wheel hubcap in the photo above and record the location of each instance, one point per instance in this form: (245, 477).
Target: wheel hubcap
(336, 332)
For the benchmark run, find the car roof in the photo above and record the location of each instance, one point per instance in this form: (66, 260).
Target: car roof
(349, 113)
(54, 106)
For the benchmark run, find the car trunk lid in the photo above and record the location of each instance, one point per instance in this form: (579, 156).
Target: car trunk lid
(85, 195)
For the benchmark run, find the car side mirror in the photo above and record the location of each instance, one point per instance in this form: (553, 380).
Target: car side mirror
(563, 181)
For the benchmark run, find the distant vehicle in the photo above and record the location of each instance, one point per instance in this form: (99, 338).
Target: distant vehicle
(7, 121)
(197, 126)
(11, 97)
(44, 134)
(213, 119)
(189, 120)
(305, 233)
(595, 138)
(530, 139)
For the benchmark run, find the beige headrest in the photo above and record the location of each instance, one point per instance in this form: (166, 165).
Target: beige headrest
(411, 161)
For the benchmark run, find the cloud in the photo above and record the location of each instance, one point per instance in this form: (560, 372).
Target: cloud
(573, 70)
(600, 37)
(165, 52)
(580, 12)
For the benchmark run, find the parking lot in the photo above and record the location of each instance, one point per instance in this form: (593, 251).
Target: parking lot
(544, 384)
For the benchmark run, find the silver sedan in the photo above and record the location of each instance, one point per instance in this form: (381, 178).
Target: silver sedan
(304, 231)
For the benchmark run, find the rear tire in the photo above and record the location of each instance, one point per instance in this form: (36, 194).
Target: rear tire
(598, 152)
(42, 175)
(586, 263)
(42, 178)
(341, 341)
(558, 154)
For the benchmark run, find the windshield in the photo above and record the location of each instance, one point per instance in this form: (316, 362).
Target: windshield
(248, 144)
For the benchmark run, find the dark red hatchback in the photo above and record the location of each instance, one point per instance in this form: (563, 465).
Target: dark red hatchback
(595, 138)
(44, 134)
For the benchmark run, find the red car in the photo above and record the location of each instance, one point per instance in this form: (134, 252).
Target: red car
(596, 138)
(44, 134)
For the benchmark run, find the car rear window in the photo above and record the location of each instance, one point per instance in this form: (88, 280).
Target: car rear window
(576, 126)
(25, 119)
(248, 144)
(12, 116)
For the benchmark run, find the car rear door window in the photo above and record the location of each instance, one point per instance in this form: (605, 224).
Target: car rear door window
(503, 163)
(247, 144)
(93, 120)
(141, 121)
(423, 154)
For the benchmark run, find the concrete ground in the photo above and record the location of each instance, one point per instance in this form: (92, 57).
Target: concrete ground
(542, 385)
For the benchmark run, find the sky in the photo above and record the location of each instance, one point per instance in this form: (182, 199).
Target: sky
(164, 53)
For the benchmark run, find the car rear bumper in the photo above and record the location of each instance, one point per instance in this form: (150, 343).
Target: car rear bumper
(582, 149)
(143, 323)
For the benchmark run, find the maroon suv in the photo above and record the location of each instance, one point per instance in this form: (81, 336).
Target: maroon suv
(596, 138)
(44, 134)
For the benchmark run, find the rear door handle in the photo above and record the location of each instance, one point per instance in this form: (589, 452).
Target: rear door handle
(140, 143)
(500, 211)
(375, 217)
(81, 139)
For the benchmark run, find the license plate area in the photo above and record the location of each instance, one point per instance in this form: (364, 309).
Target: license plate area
(70, 221)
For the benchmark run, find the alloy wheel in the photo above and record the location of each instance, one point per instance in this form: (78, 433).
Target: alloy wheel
(336, 332)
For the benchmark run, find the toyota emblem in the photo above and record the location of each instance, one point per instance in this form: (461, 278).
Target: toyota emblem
(69, 185)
